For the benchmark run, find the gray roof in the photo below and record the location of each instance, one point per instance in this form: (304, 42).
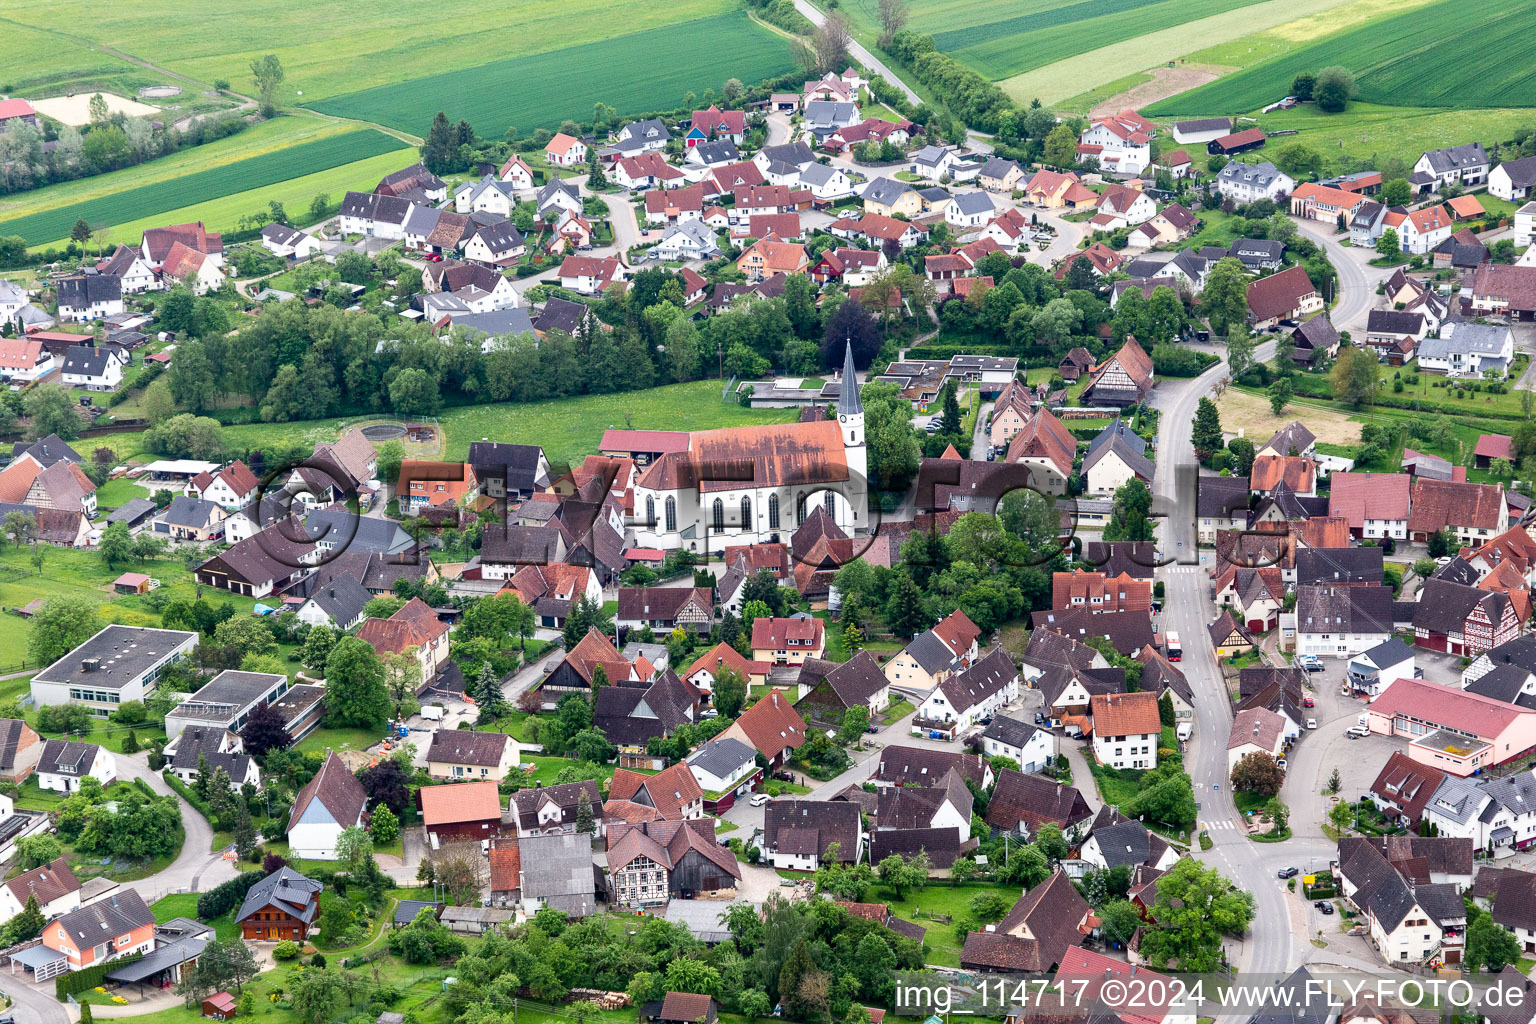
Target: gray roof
(162, 958)
(930, 652)
(1466, 338)
(193, 513)
(376, 207)
(974, 203)
(1124, 843)
(1013, 732)
(87, 289)
(336, 524)
(1522, 172)
(66, 757)
(1458, 799)
(1260, 175)
(131, 511)
(997, 167)
(406, 910)
(1127, 452)
(718, 151)
(498, 237)
(700, 233)
(497, 323)
(651, 128)
(1121, 429)
(797, 153)
(848, 401)
(721, 757)
(553, 188)
(290, 891)
(1300, 1007)
(99, 922)
(1394, 321)
(558, 866)
(1392, 652)
(46, 450)
(1204, 124)
(342, 599)
(1350, 609)
(1520, 651)
(817, 174)
(237, 688)
(821, 112)
(885, 190)
(121, 653)
(1453, 158)
(702, 917)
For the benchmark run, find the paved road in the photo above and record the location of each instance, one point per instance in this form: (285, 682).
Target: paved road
(860, 54)
(195, 869)
(1357, 278)
(33, 1005)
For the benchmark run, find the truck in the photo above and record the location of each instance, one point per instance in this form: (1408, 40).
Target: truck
(1184, 731)
(1175, 650)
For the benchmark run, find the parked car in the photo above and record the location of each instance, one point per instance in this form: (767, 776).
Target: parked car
(1308, 702)
(1288, 872)
(1309, 663)
(1358, 731)
(758, 799)
(1324, 906)
(1311, 723)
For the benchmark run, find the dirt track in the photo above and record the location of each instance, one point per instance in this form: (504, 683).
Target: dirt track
(1165, 82)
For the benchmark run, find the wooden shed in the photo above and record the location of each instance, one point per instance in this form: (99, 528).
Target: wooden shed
(219, 1006)
(131, 583)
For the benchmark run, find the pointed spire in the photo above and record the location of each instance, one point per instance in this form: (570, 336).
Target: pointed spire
(848, 403)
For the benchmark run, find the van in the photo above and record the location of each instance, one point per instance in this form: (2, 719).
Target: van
(1184, 731)
(432, 713)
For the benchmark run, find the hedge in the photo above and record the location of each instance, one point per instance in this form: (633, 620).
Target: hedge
(89, 977)
(227, 896)
(144, 787)
(190, 797)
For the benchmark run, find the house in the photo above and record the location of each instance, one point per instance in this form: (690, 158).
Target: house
(673, 793)
(414, 626)
(1221, 503)
(62, 765)
(1126, 729)
(557, 872)
(1475, 513)
(14, 298)
(157, 244)
(232, 487)
(54, 884)
(1116, 456)
(20, 749)
(443, 485)
(279, 240)
(1403, 788)
(827, 690)
(1229, 637)
(1288, 295)
(647, 170)
(463, 754)
(284, 905)
(850, 267)
(687, 240)
(116, 665)
(771, 726)
(1465, 165)
(1314, 340)
(1055, 190)
(969, 210)
(772, 255)
(565, 151)
(715, 123)
(499, 244)
(557, 196)
(267, 562)
(725, 769)
(825, 182)
(1400, 928)
(92, 368)
(1419, 231)
(1297, 474)
(1463, 620)
(889, 198)
(1102, 260)
(973, 694)
(702, 673)
(588, 275)
(1341, 621)
(1121, 380)
(1037, 934)
(1499, 288)
(1243, 183)
(935, 654)
(799, 835)
(654, 861)
(1121, 143)
(330, 802)
(460, 812)
(555, 810)
(1122, 206)
(941, 164)
(999, 175)
(1255, 731)
(1257, 254)
(1117, 841)
(1162, 677)
(1032, 747)
(1331, 206)
(1021, 803)
(1177, 163)
(1203, 130)
(1366, 226)
(1173, 224)
(944, 804)
(788, 641)
(1372, 670)
(89, 296)
(1512, 179)
(1099, 592)
(117, 926)
(1466, 349)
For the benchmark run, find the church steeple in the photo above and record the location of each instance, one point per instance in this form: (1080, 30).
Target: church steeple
(848, 403)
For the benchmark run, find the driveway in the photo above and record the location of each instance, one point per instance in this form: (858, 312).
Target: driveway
(194, 869)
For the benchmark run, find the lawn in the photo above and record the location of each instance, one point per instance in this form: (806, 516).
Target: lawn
(943, 943)
(1373, 132)
(541, 90)
(184, 904)
(568, 428)
(1435, 56)
(117, 492)
(324, 739)
(272, 136)
(1116, 786)
(152, 201)
(546, 768)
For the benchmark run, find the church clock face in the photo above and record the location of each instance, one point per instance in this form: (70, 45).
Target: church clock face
(842, 419)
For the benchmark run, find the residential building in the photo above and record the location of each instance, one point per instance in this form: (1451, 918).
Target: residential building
(1288, 295)
(1040, 931)
(1341, 621)
(460, 754)
(284, 905)
(799, 835)
(1466, 349)
(977, 692)
(1463, 620)
(1126, 729)
(771, 726)
(788, 641)
(827, 690)
(64, 764)
(1243, 183)
(1466, 165)
(1032, 747)
(116, 927)
(330, 802)
(555, 810)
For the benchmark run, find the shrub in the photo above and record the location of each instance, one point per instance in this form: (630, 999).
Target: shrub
(285, 950)
(227, 896)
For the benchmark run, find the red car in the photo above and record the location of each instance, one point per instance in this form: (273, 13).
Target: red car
(1308, 702)
(435, 258)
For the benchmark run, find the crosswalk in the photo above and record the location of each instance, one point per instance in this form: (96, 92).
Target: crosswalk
(1214, 826)
(1183, 568)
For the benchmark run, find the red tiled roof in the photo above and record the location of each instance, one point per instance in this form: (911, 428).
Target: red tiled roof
(1447, 707)
(1125, 714)
(1495, 446)
(459, 802)
(506, 866)
(1437, 504)
(772, 725)
(1361, 496)
(1296, 471)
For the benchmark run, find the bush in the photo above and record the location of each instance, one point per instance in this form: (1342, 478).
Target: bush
(285, 950)
(227, 896)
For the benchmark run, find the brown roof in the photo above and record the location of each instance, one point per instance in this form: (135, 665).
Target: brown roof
(1514, 286)
(903, 766)
(1295, 471)
(48, 882)
(506, 866)
(808, 634)
(811, 826)
(661, 602)
(1044, 436)
(1437, 504)
(462, 746)
(957, 631)
(1279, 295)
(338, 791)
(459, 802)
(688, 1006)
(1125, 714)
(1099, 590)
(670, 791)
(1033, 800)
(1035, 934)
(772, 724)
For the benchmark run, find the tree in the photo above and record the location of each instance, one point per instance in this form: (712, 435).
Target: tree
(1120, 920)
(1061, 146)
(36, 850)
(353, 847)
(26, 925)
(248, 635)
(1130, 519)
(264, 731)
(245, 831)
(1239, 350)
(1491, 945)
(268, 74)
(1299, 161)
(61, 625)
(1334, 89)
(20, 526)
(901, 874)
(52, 411)
(1225, 298)
(893, 18)
(414, 392)
(1240, 455)
(730, 691)
(1257, 773)
(1195, 907)
(1205, 433)
(1388, 244)
(855, 721)
(1280, 393)
(1442, 543)
(81, 231)
(384, 826)
(1302, 86)
(1396, 192)
(355, 691)
(1354, 376)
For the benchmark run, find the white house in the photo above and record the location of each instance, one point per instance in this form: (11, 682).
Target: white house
(1513, 179)
(285, 241)
(1524, 234)
(1033, 748)
(90, 296)
(688, 240)
(517, 173)
(975, 693)
(722, 764)
(64, 763)
(24, 359)
(1419, 231)
(12, 298)
(1126, 844)
(118, 664)
(338, 604)
(1466, 164)
(499, 244)
(1126, 729)
(1374, 670)
(587, 275)
(95, 369)
(969, 210)
(375, 215)
(1243, 183)
(332, 801)
(798, 834)
(1467, 349)
(1121, 143)
(488, 195)
(232, 487)
(55, 886)
(1340, 621)
(936, 163)
(1255, 731)
(565, 151)
(131, 269)
(826, 182)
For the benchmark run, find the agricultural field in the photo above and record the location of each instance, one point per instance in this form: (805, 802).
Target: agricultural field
(1374, 133)
(40, 60)
(1435, 56)
(335, 47)
(153, 200)
(634, 72)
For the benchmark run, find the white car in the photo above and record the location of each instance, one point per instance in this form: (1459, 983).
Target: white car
(1311, 723)
(1281, 763)
(758, 799)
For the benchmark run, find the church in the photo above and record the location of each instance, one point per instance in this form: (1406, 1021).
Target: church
(751, 485)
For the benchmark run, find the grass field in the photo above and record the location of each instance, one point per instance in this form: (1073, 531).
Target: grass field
(1373, 132)
(541, 90)
(568, 429)
(38, 60)
(1436, 56)
(203, 186)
